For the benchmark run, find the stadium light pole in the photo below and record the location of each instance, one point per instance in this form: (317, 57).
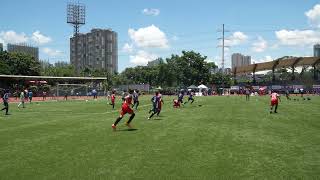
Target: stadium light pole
(76, 17)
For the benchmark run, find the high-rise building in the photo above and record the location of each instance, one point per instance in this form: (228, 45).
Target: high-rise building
(238, 60)
(97, 49)
(155, 62)
(316, 50)
(1, 47)
(24, 49)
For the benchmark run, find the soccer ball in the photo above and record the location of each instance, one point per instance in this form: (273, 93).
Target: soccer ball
(86, 100)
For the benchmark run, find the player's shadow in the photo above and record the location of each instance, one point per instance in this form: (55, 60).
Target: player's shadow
(157, 119)
(133, 129)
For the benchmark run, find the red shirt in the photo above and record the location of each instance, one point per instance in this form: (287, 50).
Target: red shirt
(128, 99)
(113, 97)
(274, 96)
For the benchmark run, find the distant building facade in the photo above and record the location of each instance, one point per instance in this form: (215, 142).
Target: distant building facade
(238, 60)
(97, 49)
(316, 50)
(1, 47)
(155, 62)
(24, 49)
(227, 70)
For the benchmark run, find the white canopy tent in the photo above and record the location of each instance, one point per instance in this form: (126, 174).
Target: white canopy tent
(200, 87)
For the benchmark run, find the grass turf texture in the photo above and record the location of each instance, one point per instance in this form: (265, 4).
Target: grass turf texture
(225, 138)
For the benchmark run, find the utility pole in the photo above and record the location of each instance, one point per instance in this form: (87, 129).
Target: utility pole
(223, 46)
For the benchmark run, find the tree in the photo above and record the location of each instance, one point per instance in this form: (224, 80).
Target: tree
(18, 64)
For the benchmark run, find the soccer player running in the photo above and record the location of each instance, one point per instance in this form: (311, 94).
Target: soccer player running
(190, 98)
(155, 105)
(275, 98)
(160, 104)
(113, 98)
(135, 99)
(176, 103)
(247, 94)
(21, 100)
(180, 97)
(5, 99)
(30, 94)
(124, 110)
(288, 95)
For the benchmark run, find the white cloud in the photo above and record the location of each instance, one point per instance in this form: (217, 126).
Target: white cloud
(236, 38)
(151, 12)
(39, 38)
(260, 46)
(149, 37)
(128, 48)
(52, 52)
(298, 37)
(314, 15)
(142, 58)
(13, 37)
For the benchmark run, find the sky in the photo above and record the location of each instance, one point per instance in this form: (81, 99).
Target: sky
(148, 29)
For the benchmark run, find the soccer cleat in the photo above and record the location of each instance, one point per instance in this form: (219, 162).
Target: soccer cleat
(129, 126)
(114, 127)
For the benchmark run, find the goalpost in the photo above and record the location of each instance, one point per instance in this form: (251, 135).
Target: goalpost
(72, 90)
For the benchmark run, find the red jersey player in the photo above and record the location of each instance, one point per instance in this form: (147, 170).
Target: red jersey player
(160, 103)
(275, 97)
(125, 108)
(176, 103)
(113, 98)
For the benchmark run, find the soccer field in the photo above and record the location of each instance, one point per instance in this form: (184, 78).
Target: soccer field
(225, 138)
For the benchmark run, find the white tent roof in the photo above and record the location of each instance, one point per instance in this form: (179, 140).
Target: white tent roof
(202, 87)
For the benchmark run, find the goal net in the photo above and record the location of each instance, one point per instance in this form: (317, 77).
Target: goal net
(76, 90)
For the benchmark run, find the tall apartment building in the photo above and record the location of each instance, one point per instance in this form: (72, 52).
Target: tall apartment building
(1, 47)
(238, 60)
(316, 50)
(155, 62)
(24, 49)
(97, 49)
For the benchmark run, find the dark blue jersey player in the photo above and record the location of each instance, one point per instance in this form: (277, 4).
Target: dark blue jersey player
(180, 97)
(155, 105)
(190, 97)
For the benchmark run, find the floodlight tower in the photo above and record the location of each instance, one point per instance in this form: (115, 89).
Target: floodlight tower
(76, 17)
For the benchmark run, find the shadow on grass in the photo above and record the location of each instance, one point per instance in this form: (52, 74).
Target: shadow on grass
(133, 129)
(157, 119)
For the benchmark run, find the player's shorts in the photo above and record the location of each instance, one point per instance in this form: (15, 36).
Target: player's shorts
(190, 99)
(125, 109)
(274, 102)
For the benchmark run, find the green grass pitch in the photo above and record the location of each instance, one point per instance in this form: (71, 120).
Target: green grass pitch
(225, 138)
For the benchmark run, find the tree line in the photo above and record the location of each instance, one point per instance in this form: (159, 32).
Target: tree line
(189, 68)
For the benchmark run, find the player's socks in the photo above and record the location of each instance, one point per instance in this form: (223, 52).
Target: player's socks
(131, 117)
(152, 115)
(117, 121)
